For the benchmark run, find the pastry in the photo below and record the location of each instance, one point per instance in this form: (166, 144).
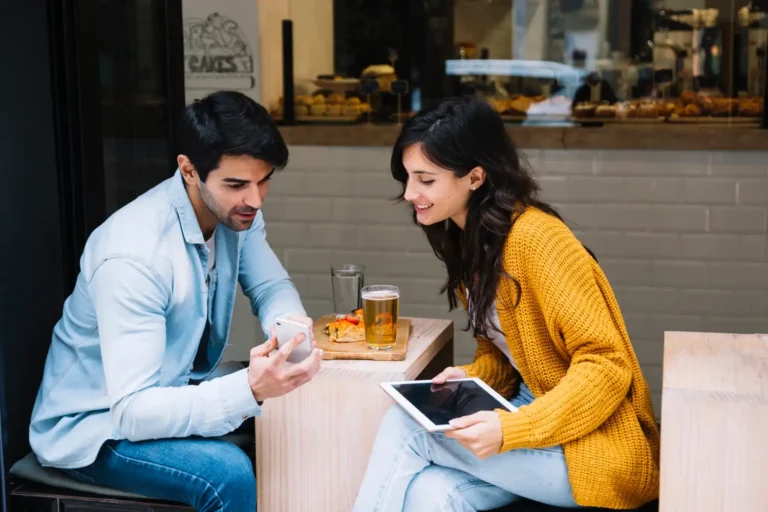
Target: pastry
(352, 101)
(688, 97)
(706, 104)
(724, 107)
(334, 110)
(626, 110)
(335, 99)
(383, 73)
(691, 110)
(302, 110)
(584, 110)
(666, 108)
(347, 329)
(500, 105)
(318, 109)
(519, 106)
(648, 111)
(605, 112)
(318, 99)
(751, 107)
(303, 100)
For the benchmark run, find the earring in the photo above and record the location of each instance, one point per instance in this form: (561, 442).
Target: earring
(474, 188)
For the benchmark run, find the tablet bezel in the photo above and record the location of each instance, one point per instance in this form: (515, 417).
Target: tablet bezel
(425, 422)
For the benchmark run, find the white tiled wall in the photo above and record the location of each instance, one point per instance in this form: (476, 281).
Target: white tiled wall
(681, 236)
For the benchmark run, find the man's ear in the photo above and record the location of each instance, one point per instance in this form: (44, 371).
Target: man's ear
(187, 170)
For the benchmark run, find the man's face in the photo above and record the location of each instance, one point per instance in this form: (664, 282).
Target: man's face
(235, 190)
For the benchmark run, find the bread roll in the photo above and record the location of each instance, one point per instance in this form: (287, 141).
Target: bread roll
(584, 110)
(605, 112)
(648, 111)
(303, 100)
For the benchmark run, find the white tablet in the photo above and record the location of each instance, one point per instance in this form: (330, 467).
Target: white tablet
(433, 406)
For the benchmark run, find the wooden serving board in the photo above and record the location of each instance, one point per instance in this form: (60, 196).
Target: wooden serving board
(359, 350)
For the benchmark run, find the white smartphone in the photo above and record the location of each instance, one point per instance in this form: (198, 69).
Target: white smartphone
(287, 329)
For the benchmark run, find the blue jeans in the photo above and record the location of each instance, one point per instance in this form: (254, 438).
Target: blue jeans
(415, 471)
(207, 474)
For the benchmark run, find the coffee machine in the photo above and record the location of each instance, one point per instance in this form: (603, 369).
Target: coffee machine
(753, 21)
(673, 36)
(706, 63)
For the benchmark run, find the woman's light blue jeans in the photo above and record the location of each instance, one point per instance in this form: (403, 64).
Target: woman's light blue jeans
(413, 470)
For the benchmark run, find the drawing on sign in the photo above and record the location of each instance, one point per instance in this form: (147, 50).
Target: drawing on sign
(216, 54)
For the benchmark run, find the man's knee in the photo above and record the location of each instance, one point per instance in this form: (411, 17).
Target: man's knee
(234, 487)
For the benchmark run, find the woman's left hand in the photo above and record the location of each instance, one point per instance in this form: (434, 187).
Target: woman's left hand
(479, 433)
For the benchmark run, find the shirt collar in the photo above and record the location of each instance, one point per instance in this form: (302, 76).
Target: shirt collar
(190, 227)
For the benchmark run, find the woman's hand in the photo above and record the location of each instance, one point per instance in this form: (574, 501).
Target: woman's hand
(479, 433)
(449, 373)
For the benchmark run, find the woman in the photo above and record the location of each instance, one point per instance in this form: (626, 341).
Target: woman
(549, 334)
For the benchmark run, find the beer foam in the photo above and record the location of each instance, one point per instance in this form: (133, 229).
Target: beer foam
(380, 295)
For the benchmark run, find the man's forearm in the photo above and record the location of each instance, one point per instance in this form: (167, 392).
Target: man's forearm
(280, 298)
(213, 408)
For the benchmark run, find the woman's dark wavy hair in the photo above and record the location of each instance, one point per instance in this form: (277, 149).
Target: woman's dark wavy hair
(459, 135)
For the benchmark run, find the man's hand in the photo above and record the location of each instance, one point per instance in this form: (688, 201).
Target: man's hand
(270, 377)
(306, 321)
(479, 433)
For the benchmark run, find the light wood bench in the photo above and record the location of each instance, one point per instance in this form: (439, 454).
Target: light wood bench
(714, 443)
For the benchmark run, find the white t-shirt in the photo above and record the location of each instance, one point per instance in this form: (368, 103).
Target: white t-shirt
(211, 244)
(496, 337)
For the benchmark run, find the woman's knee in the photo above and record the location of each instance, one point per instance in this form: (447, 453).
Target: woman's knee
(397, 420)
(437, 489)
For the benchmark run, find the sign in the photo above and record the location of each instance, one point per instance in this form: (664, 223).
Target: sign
(218, 53)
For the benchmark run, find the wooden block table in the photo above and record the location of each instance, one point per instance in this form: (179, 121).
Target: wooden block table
(714, 423)
(313, 445)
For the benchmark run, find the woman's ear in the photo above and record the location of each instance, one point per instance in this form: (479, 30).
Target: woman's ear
(476, 178)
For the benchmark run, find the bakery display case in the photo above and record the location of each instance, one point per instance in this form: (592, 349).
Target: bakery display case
(338, 99)
(362, 62)
(624, 62)
(560, 63)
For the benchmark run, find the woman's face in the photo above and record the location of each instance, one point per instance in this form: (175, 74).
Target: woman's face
(436, 193)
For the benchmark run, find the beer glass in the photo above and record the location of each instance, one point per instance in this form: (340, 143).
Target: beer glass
(381, 306)
(346, 281)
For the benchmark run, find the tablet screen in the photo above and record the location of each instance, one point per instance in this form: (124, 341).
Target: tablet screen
(442, 403)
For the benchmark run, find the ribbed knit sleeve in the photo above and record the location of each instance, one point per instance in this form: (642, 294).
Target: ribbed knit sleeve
(564, 286)
(492, 367)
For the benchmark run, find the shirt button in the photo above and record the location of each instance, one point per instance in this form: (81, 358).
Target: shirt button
(245, 416)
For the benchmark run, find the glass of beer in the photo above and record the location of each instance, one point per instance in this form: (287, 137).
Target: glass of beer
(381, 305)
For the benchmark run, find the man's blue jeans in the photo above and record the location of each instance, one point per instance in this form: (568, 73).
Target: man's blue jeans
(208, 474)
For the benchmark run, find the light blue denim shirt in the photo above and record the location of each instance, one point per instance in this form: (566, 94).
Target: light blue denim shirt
(136, 330)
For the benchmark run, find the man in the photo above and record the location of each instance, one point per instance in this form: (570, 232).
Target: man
(151, 312)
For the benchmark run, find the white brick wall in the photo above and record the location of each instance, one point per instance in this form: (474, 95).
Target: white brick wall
(681, 235)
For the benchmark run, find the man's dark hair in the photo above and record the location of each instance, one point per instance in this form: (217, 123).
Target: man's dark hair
(229, 123)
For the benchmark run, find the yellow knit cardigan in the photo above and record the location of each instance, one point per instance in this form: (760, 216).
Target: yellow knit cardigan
(568, 339)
